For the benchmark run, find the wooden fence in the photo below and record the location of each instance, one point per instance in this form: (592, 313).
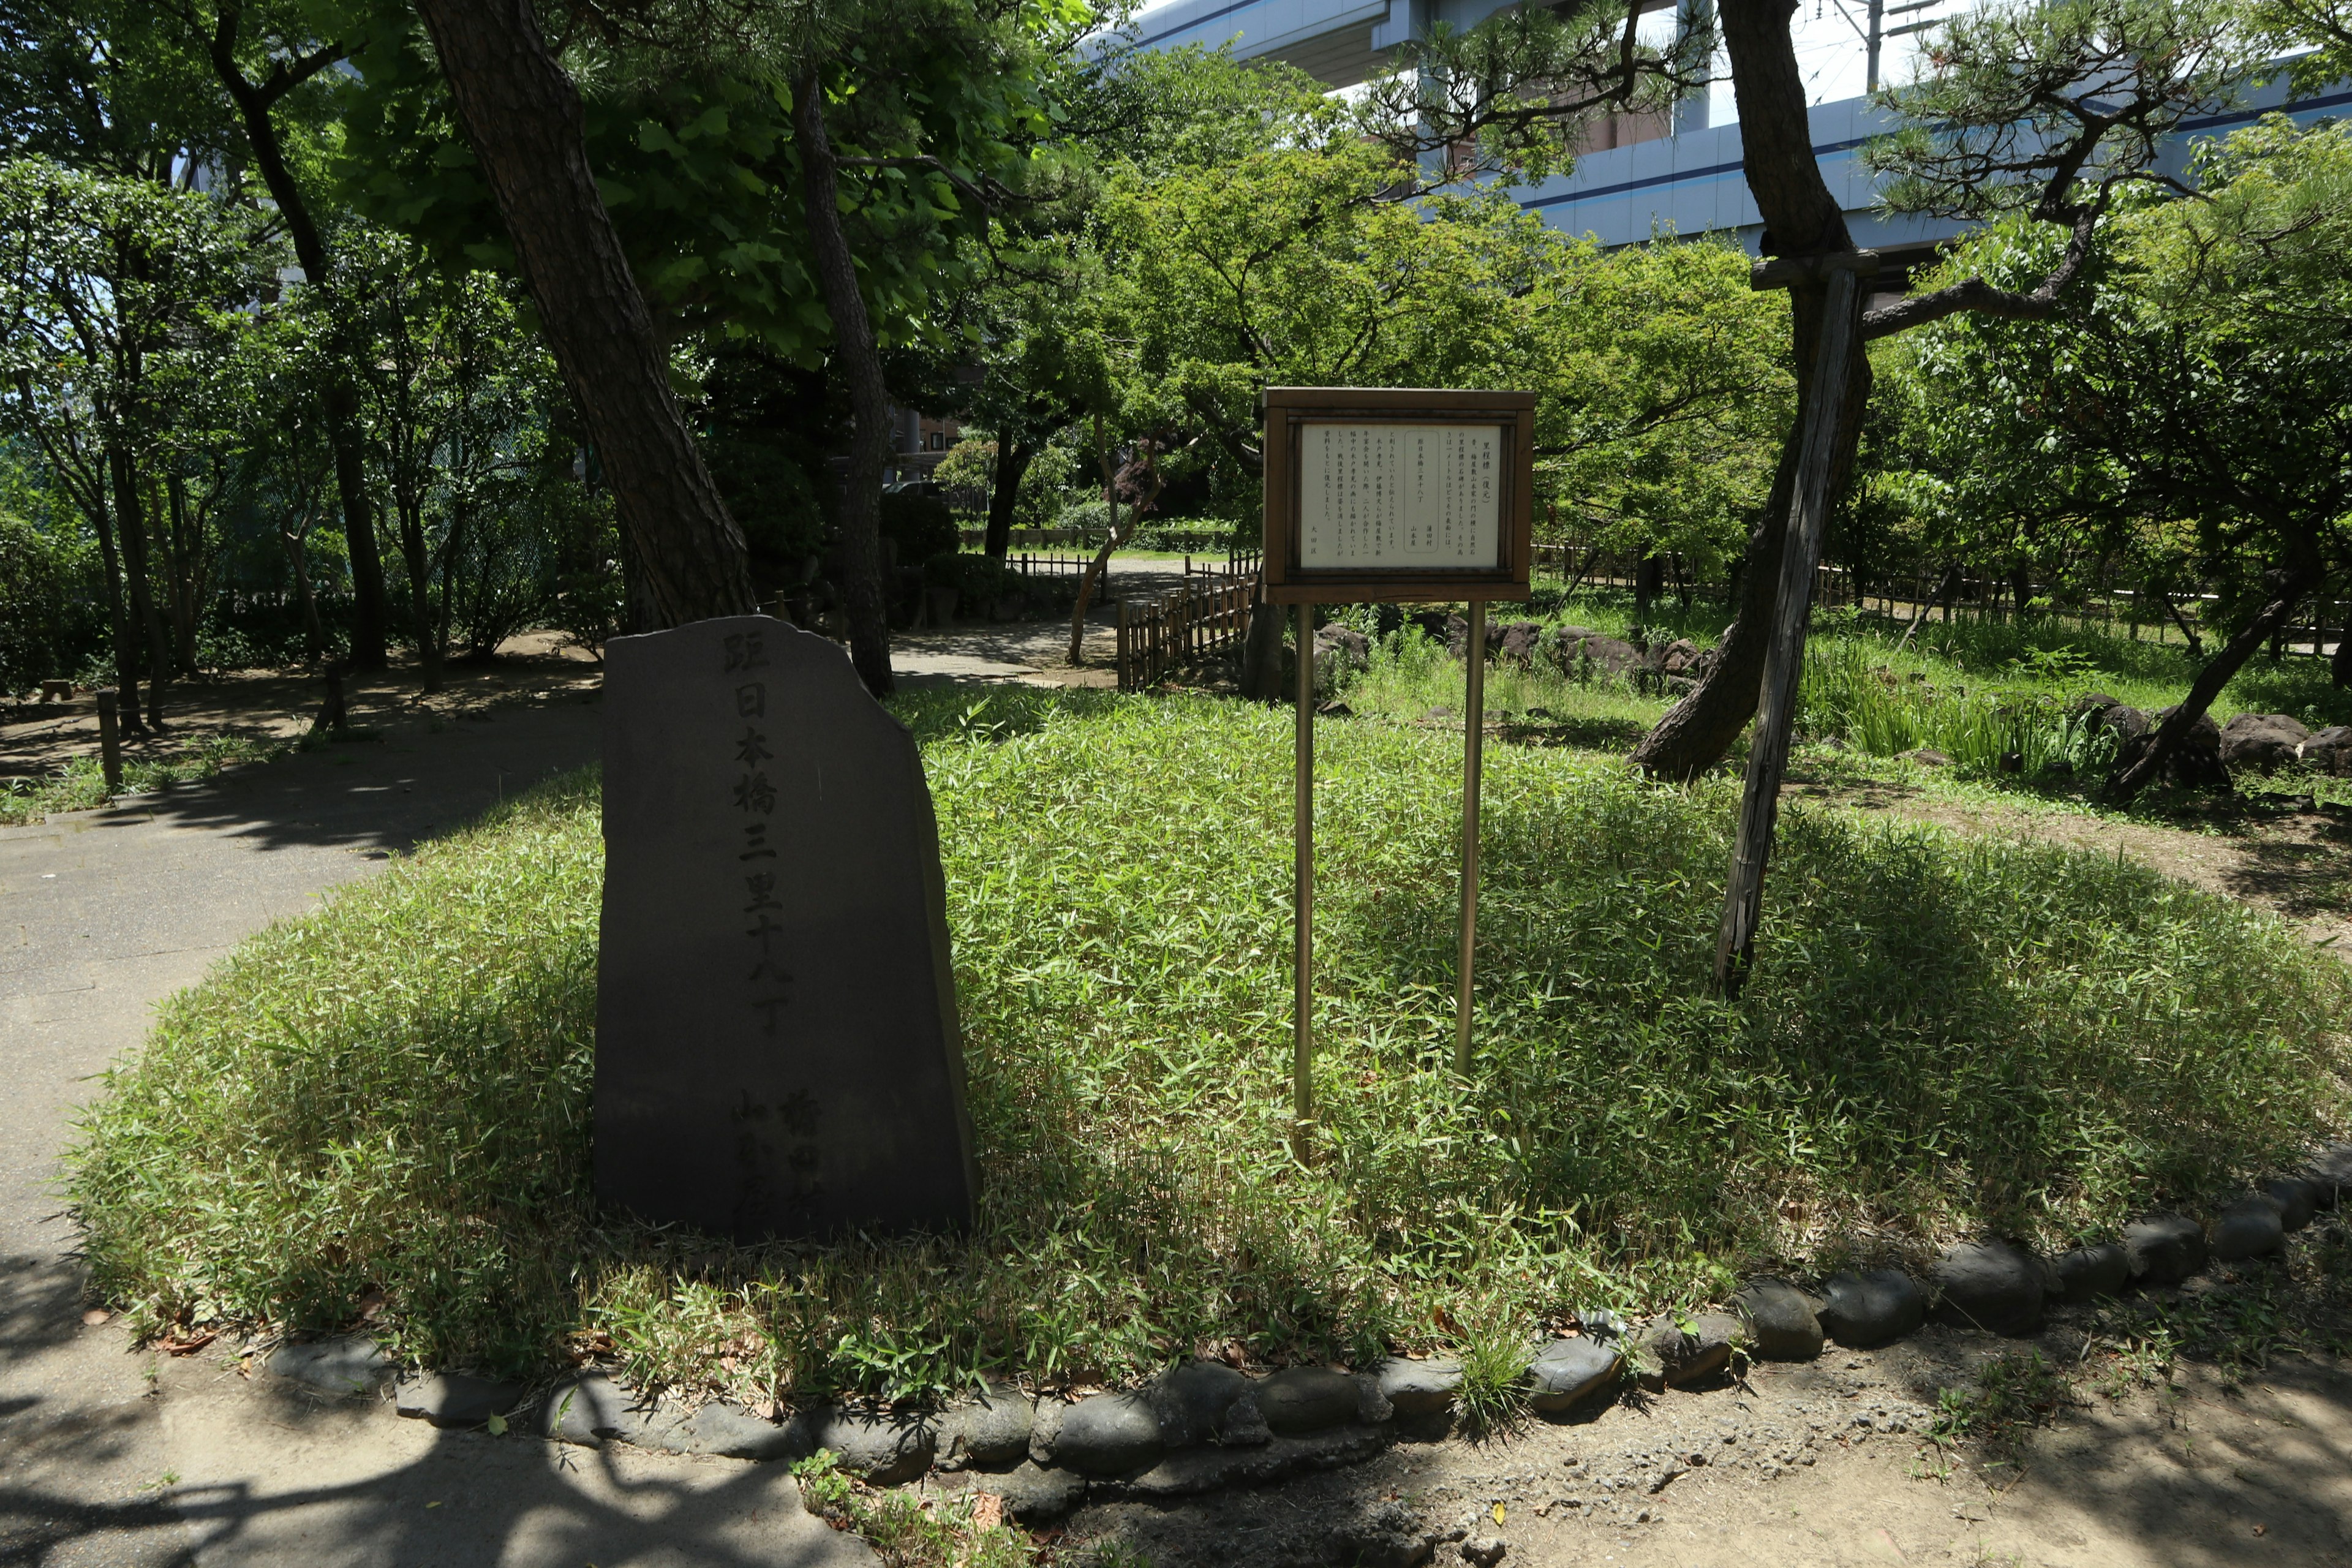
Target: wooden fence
(1050, 567)
(1972, 594)
(1181, 626)
(1238, 563)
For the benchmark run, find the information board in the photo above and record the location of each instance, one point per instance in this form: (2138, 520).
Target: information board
(1391, 494)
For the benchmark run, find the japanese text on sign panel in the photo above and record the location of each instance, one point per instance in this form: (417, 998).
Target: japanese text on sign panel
(1378, 496)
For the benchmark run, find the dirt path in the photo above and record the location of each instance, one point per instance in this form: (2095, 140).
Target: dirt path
(1827, 1463)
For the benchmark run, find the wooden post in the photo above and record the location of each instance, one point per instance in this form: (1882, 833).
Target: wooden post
(1302, 1043)
(1784, 663)
(1474, 735)
(109, 737)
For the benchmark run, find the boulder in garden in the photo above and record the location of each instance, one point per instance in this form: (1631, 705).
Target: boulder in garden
(2196, 763)
(1306, 1399)
(1683, 1351)
(2262, 743)
(2297, 1198)
(2087, 1273)
(2329, 751)
(2165, 1248)
(1107, 1435)
(2251, 1227)
(1781, 1320)
(1343, 647)
(1521, 640)
(1419, 1387)
(1992, 1285)
(1567, 1373)
(1873, 1308)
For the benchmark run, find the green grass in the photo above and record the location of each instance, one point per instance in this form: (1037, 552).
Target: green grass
(1942, 1035)
(81, 786)
(1974, 690)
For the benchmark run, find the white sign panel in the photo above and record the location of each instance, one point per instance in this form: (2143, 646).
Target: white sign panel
(1372, 497)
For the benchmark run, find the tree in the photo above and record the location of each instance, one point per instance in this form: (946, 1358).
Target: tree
(452, 389)
(2027, 105)
(266, 58)
(104, 283)
(2205, 379)
(523, 120)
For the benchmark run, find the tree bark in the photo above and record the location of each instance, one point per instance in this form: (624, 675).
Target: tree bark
(419, 560)
(1649, 579)
(2281, 588)
(524, 119)
(187, 550)
(126, 642)
(1800, 218)
(869, 400)
(1012, 461)
(254, 101)
(135, 568)
(2339, 663)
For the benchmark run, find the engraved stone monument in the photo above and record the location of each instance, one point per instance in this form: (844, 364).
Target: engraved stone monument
(777, 1048)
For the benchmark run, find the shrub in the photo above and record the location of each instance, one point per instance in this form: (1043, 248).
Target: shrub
(921, 525)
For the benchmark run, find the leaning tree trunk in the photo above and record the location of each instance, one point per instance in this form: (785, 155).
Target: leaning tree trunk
(524, 119)
(1012, 461)
(2282, 588)
(1800, 218)
(869, 399)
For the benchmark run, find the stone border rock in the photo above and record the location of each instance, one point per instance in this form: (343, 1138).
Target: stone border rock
(1204, 1426)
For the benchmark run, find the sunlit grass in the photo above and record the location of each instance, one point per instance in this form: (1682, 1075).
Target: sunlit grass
(1942, 1035)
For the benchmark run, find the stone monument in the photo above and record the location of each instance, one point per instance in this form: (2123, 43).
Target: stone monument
(777, 1046)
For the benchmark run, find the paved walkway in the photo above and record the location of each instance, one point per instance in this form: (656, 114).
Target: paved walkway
(109, 1456)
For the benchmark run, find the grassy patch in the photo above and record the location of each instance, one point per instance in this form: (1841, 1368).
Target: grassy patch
(81, 786)
(390, 1098)
(911, 1530)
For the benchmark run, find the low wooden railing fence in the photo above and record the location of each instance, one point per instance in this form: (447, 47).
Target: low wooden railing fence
(1974, 594)
(1181, 626)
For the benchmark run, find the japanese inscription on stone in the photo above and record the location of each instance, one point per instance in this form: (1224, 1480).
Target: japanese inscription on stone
(777, 1050)
(1391, 495)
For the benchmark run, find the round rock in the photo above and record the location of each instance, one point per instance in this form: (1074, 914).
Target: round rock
(1860, 1311)
(2165, 1248)
(1419, 1387)
(2297, 1198)
(1192, 1401)
(1781, 1320)
(1989, 1285)
(1306, 1399)
(989, 1431)
(882, 1450)
(1113, 1434)
(1686, 1352)
(2085, 1273)
(1567, 1373)
(2330, 1174)
(2251, 1227)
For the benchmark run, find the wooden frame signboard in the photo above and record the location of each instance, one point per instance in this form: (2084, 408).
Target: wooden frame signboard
(1393, 494)
(1380, 495)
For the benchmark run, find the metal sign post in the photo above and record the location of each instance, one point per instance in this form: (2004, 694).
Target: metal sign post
(1386, 496)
